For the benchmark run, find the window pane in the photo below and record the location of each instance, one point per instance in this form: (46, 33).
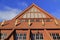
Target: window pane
(24, 34)
(41, 34)
(48, 20)
(24, 37)
(32, 15)
(26, 20)
(32, 20)
(33, 35)
(3, 36)
(38, 36)
(28, 15)
(36, 15)
(55, 36)
(43, 15)
(22, 20)
(58, 37)
(41, 37)
(24, 16)
(38, 20)
(39, 15)
(21, 36)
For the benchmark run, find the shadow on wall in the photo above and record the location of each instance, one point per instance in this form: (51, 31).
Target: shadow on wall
(31, 36)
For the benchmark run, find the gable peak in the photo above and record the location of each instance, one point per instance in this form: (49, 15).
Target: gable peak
(30, 7)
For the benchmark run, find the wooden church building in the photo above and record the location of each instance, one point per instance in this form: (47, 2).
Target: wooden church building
(31, 24)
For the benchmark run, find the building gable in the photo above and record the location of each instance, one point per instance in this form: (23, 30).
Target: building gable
(33, 11)
(23, 20)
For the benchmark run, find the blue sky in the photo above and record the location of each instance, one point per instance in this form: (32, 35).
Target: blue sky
(10, 8)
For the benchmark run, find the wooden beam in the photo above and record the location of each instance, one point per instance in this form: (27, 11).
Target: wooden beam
(55, 21)
(43, 22)
(3, 23)
(9, 34)
(28, 35)
(29, 23)
(47, 35)
(16, 22)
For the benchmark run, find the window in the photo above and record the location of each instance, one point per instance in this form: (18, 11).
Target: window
(31, 20)
(3, 36)
(43, 15)
(21, 36)
(24, 16)
(34, 13)
(55, 36)
(38, 20)
(48, 20)
(28, 15)
(22, 20)
(38, 36)
(26, 20)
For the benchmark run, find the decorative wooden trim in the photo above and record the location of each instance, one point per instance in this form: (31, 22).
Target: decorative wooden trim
(3, 23)
(43, 22)
(16, 22)
(29, 22)
(56, 22)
